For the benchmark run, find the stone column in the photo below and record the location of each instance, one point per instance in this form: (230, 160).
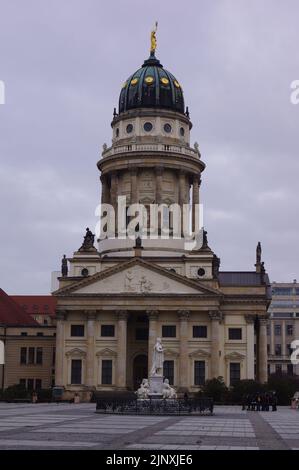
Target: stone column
(90, 356)
(263, 356)
(121, 367)
(153, 316)
(283, 338)
(184, 358)
(272, 337)
(134, 186)
(159, 184)
(182, 193)
(250, 319)
(113, 196)
(105, 190)
(215, 317)
(195, 200)
(60, 318)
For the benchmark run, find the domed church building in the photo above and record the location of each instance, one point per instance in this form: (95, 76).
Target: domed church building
(117, 294)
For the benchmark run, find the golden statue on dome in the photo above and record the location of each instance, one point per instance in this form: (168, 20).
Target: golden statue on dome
(154, 39)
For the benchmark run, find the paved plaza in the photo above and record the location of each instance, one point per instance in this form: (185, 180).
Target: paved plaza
(77, 426)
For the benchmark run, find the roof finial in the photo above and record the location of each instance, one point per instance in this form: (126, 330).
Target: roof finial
(154, 39)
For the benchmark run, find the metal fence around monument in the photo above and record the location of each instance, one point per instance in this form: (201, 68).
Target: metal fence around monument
(154, 406)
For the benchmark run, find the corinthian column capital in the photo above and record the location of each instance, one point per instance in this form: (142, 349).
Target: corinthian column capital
(216, 315)
(263, 320)
(250, 319)
(91, 314)
(122, 314)
(183, 314)
(152, 314)
(60, 314)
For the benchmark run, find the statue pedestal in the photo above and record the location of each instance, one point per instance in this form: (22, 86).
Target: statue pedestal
(156, 385)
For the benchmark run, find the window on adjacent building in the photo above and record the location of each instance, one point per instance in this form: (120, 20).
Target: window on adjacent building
(277, 330)
(30, 384)
(77, 330)
(168, 331)
(282, 291)
(290, 369)
(235, 333)
(277, 349)
(39, 356)
(168, 371)
(23, 356)
(268, 348)
(199, 372)
(23, 383)
(234, 373)
(31, 355)
(200, 331)
(107, 330)
(38, 384)
(39, 334)
(23, 333)
(141, 334)
(289, 349)
(76, 372)
(278, 368)
(289, 330)
(107, 372)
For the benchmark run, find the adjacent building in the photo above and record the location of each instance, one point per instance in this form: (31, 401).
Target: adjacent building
(283, 327)
(29, 345)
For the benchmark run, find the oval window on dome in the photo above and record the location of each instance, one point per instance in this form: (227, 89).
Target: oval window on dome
(148, 126)
(129, 128)
(134, 81)
(124, 85)
(177, 84)
(149, 80)
(165, 81)
(182, 131)
(167, 128)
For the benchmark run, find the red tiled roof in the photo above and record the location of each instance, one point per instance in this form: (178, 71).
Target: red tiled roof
(36, 304)
(11, 313)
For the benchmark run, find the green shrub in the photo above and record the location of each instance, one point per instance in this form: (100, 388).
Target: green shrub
(244, 387)
(15, 392)
(44, 395)
(216, 389)
(284, 385)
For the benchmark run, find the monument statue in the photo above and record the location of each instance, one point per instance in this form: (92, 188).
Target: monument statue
(64, 267)
(154, 386)
(167, 390)
(158, 359)
(154, 39)
(143, 390)
(88, 241)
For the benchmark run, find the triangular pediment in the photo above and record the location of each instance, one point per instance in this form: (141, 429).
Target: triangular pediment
(200, 353)
(137, 277)
(76, 352)
(235, 356)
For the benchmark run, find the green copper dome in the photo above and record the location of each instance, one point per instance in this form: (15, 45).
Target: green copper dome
(152, 86)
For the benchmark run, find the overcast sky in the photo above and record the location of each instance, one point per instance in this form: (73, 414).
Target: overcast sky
(63, 63)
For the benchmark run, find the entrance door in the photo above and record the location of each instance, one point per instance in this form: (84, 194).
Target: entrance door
(139, 370)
